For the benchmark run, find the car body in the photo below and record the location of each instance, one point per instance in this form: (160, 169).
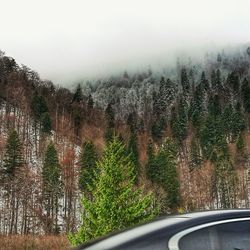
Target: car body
(213, 230)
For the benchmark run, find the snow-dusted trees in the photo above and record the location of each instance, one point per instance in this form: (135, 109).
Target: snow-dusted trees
(205, 107)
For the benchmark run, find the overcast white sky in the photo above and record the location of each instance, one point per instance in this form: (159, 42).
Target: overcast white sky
(67, 39)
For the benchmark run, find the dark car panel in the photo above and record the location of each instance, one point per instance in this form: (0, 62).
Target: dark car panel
(184, 232)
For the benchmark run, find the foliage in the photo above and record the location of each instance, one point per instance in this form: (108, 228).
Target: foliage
(88, 168)
(78, 95)
(246, 95)
(13, 157)
(52, 185)
(134, 154)
(196, 154)
(46, 123)
(185, 81)
(158, 128)
(240, 144)
(116, 203)
(161, 169)
(40, 112)
(110, 119)
(38, 106)
(179, 120)
(224, 182)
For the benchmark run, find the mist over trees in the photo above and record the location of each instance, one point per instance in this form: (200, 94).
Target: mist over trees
(182, 134)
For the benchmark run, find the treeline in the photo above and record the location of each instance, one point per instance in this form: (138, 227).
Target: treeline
(185, 132)
(40, 130)
(205, 109)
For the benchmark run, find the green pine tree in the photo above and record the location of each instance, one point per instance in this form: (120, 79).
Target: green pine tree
(238, 124)
(150, 166)
(52, 187)
(171, 182)
(179, 120)
(204, 82)
(134, 153)
(240, 144)
(110, 120)
(116, 203)
(245, 92)
(11, 176)
(78, 95)
(13, 157)
(158, 128)
(185, 81)
(46, 123)
(161, 169)
(88, 168)
(38, 106)
(196, 108)
(233, 81)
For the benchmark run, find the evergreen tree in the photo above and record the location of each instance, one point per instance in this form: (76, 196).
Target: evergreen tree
(204, 82)
(213, 80)
(52, 187)
(240, 144)
(161, 169)
(162, 105)
(88, 168)
(218, 81)
(78, 95)
(158, 128)
(40, 112)
(150, 166)
(110, 116)
(214, 107)
(238, 124)
(164, 97)
(116, 203)
(212, 137)
(169, 92)
(245, 92)
(11, 177)
(131, 122)
(110, 119)
(196, 108)
(38, 106)
(168, 176)
(228, 122)
(233, 82)
(185, 81)
(77, 116)
(196, 155)
(134, 153)
(13, 157)
(90, 102)
(46, 123)
(179, 121)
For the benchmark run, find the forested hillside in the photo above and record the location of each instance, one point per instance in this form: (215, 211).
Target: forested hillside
(185, 128)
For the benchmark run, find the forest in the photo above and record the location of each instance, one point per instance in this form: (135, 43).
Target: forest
(184, 131)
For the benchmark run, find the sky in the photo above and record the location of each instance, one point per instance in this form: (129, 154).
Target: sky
(65, 40)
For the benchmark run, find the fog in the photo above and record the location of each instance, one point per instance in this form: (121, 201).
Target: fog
(77, 39)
